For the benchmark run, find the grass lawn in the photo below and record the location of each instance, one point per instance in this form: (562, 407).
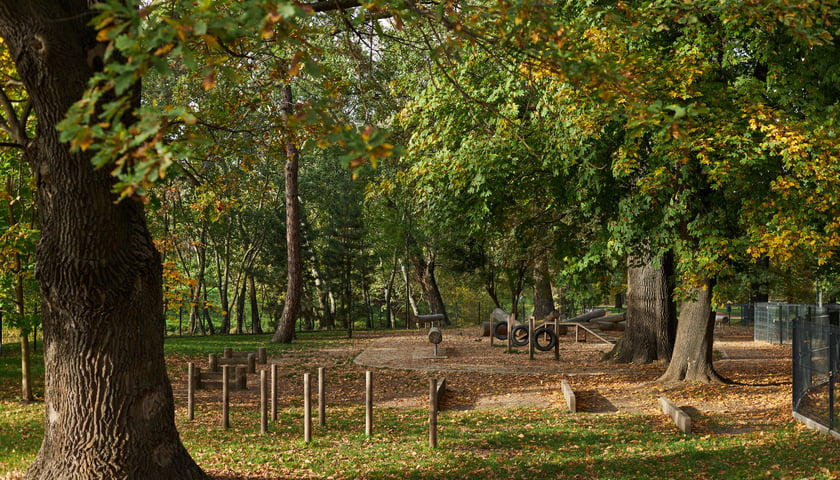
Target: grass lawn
(520, 442)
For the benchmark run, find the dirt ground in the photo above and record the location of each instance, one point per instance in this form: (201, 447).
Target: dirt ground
(480, 376)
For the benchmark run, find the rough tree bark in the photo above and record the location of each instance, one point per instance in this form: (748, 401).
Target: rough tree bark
(692, 358)
(294, 288)
(109, 410)
(424, 268)
(543, 299)
(651, 314)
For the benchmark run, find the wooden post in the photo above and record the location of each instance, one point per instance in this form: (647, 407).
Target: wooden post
(191, 391)
(307, 408)
(322, 406)
(227, 352)
(433, 411)
(531, 338)
(263, 402)
(273, 392)
(368, 403)
(262, 356)
(213, 362)
(225, 397)
(510, 323)
(241, 378)
(198, 384)
(252, 363)
(557, 343)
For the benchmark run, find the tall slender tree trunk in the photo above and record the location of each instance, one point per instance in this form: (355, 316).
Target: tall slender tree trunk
(389, 292)
(223, 282)
(409, 298)
(692, 358)
(256, 323)
(294, 287)
(26, 394)
(326, 320)
(109, 409)
(651, 313)
(205, 309)
(239, 301)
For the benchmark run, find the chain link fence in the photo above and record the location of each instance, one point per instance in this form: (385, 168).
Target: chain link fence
(816, 349)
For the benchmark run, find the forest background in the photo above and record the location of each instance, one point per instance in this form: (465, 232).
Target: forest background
(522, 156)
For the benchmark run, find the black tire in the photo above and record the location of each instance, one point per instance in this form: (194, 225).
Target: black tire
(500, 330)
(520, 335)
(544, 339)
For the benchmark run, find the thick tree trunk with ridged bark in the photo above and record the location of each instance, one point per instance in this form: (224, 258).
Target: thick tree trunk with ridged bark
(651, 316)
(108, 401)
(692, 360)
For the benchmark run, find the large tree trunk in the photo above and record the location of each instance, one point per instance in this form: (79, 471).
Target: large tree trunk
(109, 410)
(543, 298)
(425, 270)
(651, 316)
(692, 358)
(294, 287)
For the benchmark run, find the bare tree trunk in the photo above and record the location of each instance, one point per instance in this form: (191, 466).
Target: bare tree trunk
(651, 314)
(692, 358)
(294, 286)
(109, 408)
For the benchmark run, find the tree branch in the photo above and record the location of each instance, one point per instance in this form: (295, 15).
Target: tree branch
(331, 5)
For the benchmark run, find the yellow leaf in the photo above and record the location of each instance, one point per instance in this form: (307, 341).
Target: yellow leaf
(164, 49)
(209, 81)
(102, 35)
(85, 143)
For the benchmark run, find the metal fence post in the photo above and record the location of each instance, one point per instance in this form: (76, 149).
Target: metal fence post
(832, 365)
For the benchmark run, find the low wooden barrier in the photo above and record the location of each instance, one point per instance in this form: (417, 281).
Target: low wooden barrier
(202, 380)
(680, 418)
(569, 395)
